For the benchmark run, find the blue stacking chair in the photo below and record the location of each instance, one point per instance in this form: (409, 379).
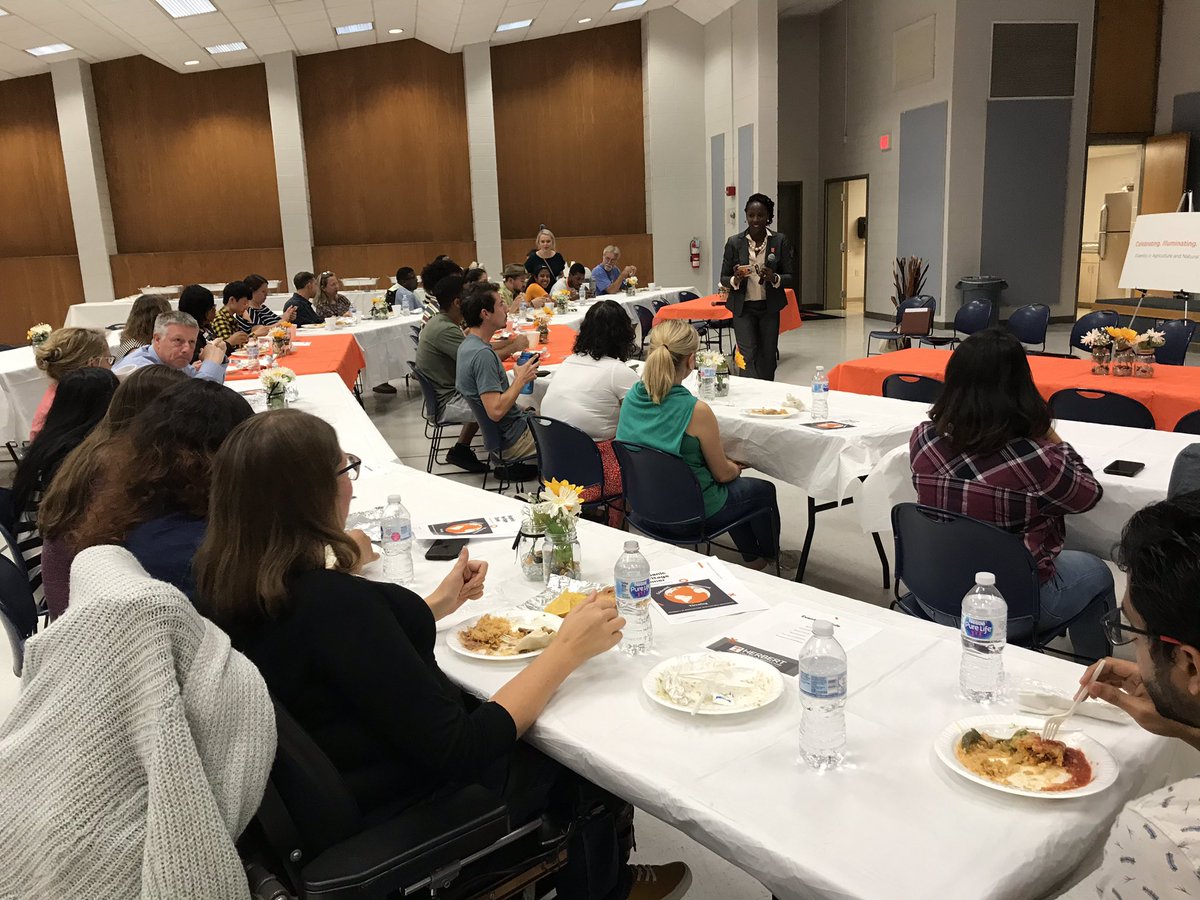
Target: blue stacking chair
(1101, 318)
(646, 321)
(893, 335)
(566, 453)
(493, 444)
(663, 499)
(1029, 323)
(919, 388)
(18, 609)
(1178, 334)
(970, 318)
(1189, 424)
(1101, 407)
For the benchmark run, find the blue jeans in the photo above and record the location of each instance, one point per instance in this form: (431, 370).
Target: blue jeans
(758, 538)
(1081, 581)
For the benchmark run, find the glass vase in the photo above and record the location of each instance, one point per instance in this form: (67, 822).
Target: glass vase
(529, 549)
(560, 552)
(1101, 358)
(723, 381)
(1143, 364)
(277, 397)
(279, 347)
(1122, 364)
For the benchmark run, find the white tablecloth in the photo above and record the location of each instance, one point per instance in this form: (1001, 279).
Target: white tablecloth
(893, 823)
(1099, 529)
(644, 298)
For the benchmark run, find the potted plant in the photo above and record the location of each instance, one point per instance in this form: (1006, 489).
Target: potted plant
(908, 276)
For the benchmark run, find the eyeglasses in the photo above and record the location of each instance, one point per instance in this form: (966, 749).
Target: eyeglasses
(351, 468)
(1123, 633)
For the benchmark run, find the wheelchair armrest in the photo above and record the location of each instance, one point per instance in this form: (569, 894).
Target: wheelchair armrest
(408, 847)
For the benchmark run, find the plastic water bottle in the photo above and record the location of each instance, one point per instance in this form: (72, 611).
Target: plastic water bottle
(820, 395)
(522, 310)
(583, 292)
(823, 696)
(632, 578)
(397, 541)
(252, 354)
(353, 314)
(708, 382)
(984, 633)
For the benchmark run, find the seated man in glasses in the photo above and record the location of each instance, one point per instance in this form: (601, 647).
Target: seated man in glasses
(1153, 849)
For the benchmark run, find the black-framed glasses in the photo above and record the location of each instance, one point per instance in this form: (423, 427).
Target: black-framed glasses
(351, 468)
(1120, 632)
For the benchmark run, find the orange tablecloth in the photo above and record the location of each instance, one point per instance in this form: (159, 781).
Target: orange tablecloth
(326, 353)
(1173, 392)
(712, 309)
(560, 345)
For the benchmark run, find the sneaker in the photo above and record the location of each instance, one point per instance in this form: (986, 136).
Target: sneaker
(666, 882)
(384, 388)
(464, 457)
(517, 472)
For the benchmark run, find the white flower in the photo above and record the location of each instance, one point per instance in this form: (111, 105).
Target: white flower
(280, 375)
(1152, 338)
(561, 497)
(712, 359)
(1096, 338)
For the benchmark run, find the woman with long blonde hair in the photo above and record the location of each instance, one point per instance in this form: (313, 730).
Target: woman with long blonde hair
(659, 412)
(66, 350)
(545, 255)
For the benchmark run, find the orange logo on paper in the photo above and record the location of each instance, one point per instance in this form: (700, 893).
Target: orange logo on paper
(686, 594)
(463, 528)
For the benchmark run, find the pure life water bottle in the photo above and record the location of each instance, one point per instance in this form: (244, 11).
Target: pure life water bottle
(823, 696)
(984, 632)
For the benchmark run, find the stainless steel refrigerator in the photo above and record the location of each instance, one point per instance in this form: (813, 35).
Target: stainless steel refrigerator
(1116, 221)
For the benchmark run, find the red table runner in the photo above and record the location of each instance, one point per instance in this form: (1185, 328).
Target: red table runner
(712, 309)
(338, 353)
(1173, 392)
(560, 346)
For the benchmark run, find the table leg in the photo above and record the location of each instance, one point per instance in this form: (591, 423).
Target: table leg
(883, 560)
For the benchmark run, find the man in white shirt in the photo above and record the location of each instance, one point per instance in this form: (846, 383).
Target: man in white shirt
(1153, 849)
(174, 341)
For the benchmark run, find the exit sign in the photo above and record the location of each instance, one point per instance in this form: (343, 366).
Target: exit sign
(885, 142)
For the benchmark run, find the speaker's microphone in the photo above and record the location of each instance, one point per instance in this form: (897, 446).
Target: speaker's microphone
(771, 258)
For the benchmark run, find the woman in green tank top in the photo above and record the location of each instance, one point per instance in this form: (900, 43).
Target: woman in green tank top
(659, 412)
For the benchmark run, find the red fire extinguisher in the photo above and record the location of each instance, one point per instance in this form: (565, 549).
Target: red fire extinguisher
(694, 251)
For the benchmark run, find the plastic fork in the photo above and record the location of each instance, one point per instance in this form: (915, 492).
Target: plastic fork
(1054, 724)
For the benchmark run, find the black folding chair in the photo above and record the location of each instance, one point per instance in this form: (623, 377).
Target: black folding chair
(566, 453)
(1101, 407)
(1029, 324)
(919, 388)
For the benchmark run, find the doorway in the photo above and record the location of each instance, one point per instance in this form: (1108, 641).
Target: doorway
(846, 201)
(1111, 191)
(789, 220)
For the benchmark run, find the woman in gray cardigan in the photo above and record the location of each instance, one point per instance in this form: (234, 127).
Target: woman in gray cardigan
(757, 268)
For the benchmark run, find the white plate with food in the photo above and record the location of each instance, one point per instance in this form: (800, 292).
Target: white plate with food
(1007, 753)
(713, 684)
(319, 326)
(771, 412)
(505, 635)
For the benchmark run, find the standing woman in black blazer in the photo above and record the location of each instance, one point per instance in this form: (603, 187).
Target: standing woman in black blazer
(757, 269)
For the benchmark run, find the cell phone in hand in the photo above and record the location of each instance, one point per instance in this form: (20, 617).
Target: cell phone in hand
(447, 548)
(1126, 468)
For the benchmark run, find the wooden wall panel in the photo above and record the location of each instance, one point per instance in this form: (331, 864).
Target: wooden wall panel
(131, 271)
(636, 250)
(382, 260)
(570, 148)
(1125, 67)
(33, 181)
(385, 136)
(190, 159)
(37, 289)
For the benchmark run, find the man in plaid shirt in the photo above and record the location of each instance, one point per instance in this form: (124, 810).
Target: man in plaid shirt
(990, 452)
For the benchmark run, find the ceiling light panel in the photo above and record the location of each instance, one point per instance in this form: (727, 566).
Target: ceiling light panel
(513, 26)
(49, 49)
(227, 48)
(354, 29)
(179, 9)
(627, 4)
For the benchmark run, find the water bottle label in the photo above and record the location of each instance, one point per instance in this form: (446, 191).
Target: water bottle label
(829, 687)
(820, 387)
(634, 590)
(404, 534)
(978, 629)
(708, 371)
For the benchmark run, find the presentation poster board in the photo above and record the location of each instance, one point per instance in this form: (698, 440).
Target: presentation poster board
(1164, 253)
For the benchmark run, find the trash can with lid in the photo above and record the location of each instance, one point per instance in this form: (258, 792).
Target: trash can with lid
(983, 287)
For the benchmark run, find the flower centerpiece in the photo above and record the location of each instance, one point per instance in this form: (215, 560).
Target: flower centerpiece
(38, 333)
(1123, 340)
(379, 308)
(541, 321)
(553, 513)
(281, 340)
(631, 284)
(562, 300)
(1143, 348)
(278, 383)
(1099, 341)
(715, 360)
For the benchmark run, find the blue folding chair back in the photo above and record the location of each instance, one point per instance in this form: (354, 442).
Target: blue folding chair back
(1185, 472)
(919, 388)
(18, 609)
(970, 318)
(646, 320)
(937, 556)
(659, 304)
(429, 404)
(566, 453)
(660, 490)
(1178, 334)
(1029, 323)
(685, 296)
(1100, 407)
(1101, 318)
(922, 302)
(1189, 424)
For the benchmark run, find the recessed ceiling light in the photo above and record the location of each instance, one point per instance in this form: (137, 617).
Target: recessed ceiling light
(395, 31)
(227, 48)
(178, 9)
(584, 21)
(513, 26)
(627, 4)
(49, 49)
(191, 62)
(354, 29)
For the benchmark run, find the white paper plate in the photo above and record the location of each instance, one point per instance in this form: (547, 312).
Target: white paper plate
(757, 415)
(521, 618)
(317, 327)
(650, 683)
(1104, 766)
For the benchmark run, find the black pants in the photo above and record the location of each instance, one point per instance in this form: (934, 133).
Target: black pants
(757, 332)
(598, 853)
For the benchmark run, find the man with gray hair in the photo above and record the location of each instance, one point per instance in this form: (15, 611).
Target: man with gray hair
(173, 344)
(608, 277)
